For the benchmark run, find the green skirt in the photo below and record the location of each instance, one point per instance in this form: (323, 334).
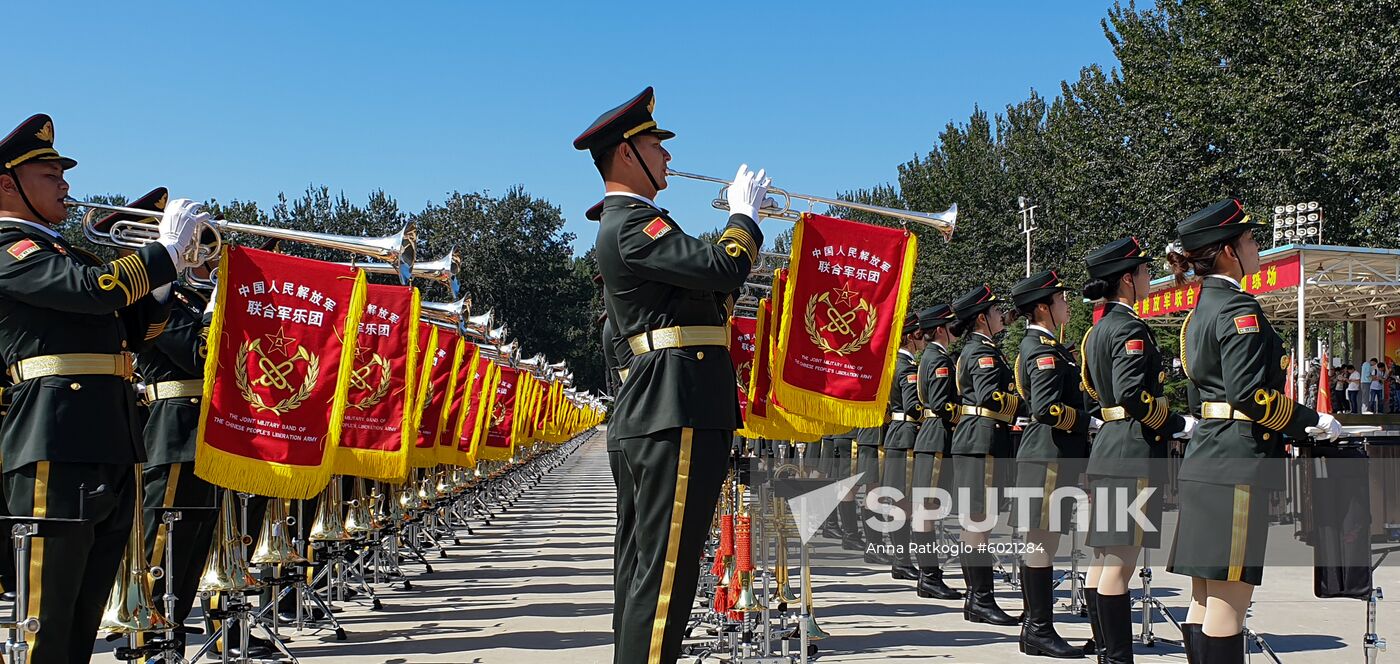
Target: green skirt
(1221, 532)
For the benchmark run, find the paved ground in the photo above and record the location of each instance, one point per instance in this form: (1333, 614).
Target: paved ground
(535, 586)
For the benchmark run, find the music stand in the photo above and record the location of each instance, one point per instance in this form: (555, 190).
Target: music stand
(24, 529)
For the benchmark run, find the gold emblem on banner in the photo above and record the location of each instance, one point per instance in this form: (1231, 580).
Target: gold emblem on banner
(276, 375)
(498, 415)
(742, 375)
(376, 367)
(842, 324)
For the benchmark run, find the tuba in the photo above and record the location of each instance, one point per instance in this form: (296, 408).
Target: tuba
(227, 567)
(275, 543)
(359, 519)
(130, 607)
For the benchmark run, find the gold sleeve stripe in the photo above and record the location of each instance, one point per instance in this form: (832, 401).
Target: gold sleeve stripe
(743, 239)
(1020, 386)
(1067, 416)
(154, 330)
(1278, 409)
(134, 283)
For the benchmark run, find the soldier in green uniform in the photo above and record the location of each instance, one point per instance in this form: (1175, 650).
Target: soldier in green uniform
(1236, 360)
(624, 560)
(938, 396)
(903, 427)
(837, 451)
(1122, 369)
(1051, 455)
(983, 435)
(669, 295)
(172, 369)
(68, 323)
(865, 460)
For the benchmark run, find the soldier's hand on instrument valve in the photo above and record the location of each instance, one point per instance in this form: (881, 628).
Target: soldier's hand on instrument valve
(748, 191)
(177, 230)
(1328, 428)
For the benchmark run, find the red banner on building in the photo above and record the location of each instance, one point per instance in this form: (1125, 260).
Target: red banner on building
(1273, 275)
(500, 428)
(843, 312)
(281, 349)
(378, 428)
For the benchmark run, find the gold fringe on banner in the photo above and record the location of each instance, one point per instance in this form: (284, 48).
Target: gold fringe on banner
(823, 407)
(270, 478)
(422, 457)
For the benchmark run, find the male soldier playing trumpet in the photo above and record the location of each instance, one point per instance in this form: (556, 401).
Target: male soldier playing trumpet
(668, 295)
(172, 368)
(68, 323)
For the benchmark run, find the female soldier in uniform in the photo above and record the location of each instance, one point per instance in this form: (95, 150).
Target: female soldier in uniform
(983, 434)
(1053, 446)
(938, 396)
(1236, 360)
(1122, 369)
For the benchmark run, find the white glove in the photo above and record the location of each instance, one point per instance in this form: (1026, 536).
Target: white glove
(1095, 423)
(1186, 430)
(177, 228)
(1328, 428)
(748, 192)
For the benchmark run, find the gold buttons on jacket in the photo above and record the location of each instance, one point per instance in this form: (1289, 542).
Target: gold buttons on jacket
(700, 355)
(1266, 436)
(75, 387)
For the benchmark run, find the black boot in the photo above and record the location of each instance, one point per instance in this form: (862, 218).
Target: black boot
(1191, 642)
(1038, 636)
(903, 567)
(1116, 628)
(1221, 649)
(930, 573)
(831, 528)
(1091, 604)
(876, 552)
(850, 526)
(980, 605)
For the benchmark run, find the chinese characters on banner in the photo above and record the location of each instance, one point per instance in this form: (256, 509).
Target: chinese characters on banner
(379, 415)
(501, 419)
(741, 352)
(282, 349)
(842, 311)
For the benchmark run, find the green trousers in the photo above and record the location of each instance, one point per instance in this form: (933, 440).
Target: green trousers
(175, 485)
(624, 551)
(676, 475)
(71, 573)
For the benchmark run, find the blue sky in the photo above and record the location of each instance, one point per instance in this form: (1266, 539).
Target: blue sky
(242, 100)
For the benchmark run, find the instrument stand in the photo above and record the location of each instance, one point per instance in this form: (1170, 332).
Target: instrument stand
(305, 594)
(1253, 636)
(1150, 605)
(1372, 643)
(16, 647)
(239, 612)
(168, 648)
(1076, 604)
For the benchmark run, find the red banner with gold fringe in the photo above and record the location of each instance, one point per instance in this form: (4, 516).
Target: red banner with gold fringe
(378, 428)
(281, 352)
(500, 426)
(845, 305)
(435, 396)
(463, 374)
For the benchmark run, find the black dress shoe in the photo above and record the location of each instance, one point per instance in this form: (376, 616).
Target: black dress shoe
(852, 542)
(875, 555)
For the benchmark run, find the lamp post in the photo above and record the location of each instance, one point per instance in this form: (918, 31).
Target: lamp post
(1027, 226)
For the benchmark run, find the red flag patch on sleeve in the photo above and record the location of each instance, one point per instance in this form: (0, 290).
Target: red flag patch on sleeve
(1133, 347)
(913, 378)
(1247, 324)
(1046, 362)
(657, 228)
(22, 249)
(942, 372)
(986, 362)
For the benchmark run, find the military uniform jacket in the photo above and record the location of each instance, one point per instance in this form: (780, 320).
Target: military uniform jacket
(938, 393)
(1233, 355)
(55, 299)
(984, 381)
(1122, 367)
(177, 354)
(659, 277)
(904, 399)
(1047, 378)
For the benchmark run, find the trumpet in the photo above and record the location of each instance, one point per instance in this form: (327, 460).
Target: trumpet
(453, 313)
(440, 270)
(397, 249)
(943, 222)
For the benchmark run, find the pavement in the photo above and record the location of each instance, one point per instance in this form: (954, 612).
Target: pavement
(536, 586)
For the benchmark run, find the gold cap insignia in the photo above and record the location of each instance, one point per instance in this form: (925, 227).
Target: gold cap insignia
(46, 132)
(651, 105)
(160, 204)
